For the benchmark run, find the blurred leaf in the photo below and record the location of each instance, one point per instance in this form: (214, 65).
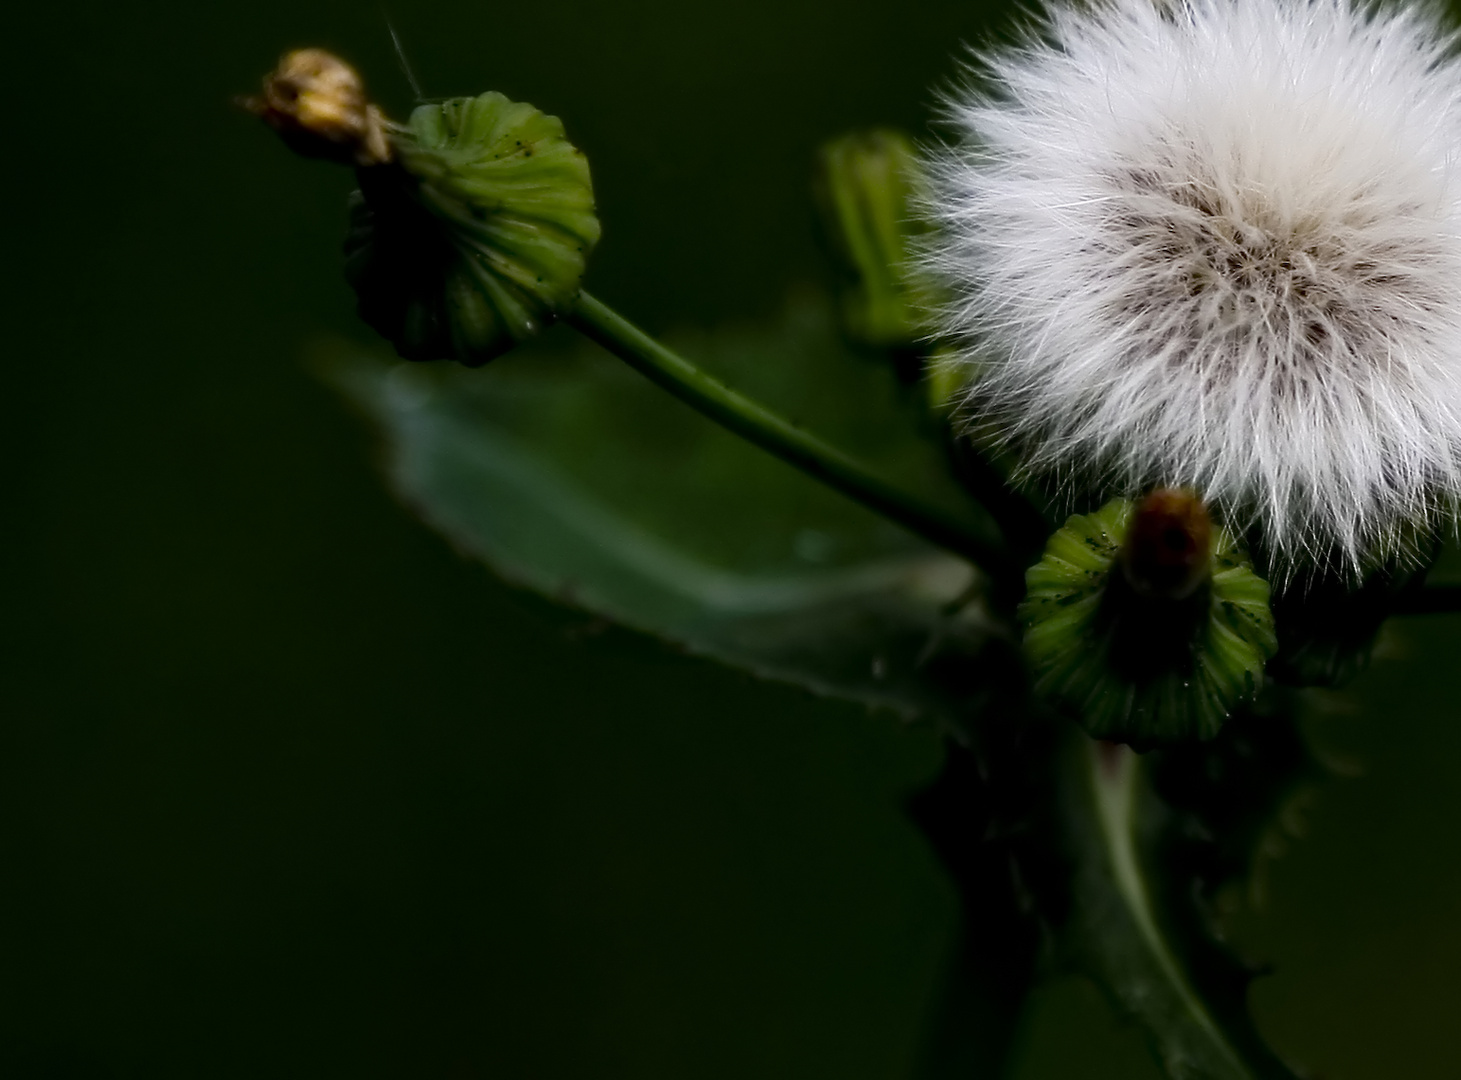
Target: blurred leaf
(570, 474)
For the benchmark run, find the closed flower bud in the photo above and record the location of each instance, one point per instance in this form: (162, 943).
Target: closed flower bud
(477, 237)
(1146, 621)
(868, 186)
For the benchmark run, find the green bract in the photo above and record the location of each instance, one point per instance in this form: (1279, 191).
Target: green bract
(1140, 670)
(476, 236)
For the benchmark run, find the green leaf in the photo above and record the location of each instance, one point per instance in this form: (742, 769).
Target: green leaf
(1151, 842)
(570, 474)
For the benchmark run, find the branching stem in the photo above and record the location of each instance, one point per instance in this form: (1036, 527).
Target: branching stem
(774, 433)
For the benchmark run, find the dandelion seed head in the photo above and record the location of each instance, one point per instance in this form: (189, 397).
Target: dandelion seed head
(1217, 244)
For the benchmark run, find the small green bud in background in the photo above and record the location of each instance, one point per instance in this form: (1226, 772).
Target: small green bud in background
(477, 238)
(1147, 621)
(867, 187)
(473, 222)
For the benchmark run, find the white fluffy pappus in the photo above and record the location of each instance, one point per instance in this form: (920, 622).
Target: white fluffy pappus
(1217, 243)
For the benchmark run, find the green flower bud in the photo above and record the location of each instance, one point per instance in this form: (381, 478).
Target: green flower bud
(476, 237)
(867, 185)
(1147, 621)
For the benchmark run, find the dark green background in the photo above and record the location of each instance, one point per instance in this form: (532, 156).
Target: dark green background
(289, 789)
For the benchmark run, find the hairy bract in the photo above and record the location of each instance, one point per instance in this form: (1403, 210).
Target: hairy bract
(1217, 243)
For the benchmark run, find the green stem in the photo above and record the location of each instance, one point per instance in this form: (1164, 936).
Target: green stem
(779, 436)
(1135, 916)
(1182, 1015)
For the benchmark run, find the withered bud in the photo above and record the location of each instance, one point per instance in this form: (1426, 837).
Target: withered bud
(316, 102)
(1168, 548)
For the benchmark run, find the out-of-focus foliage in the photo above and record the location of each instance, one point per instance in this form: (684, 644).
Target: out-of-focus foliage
(571, 474)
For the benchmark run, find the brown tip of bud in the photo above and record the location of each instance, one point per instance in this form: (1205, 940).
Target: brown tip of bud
(317, 103)
(1168, 547)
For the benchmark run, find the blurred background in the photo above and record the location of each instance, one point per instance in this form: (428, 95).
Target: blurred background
(287, 788)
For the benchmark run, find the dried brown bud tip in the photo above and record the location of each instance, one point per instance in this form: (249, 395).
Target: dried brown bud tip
(317, 103)
(1168, 548)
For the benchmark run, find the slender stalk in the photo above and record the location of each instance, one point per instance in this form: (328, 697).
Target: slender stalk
(773, 433)
(1429, 600)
